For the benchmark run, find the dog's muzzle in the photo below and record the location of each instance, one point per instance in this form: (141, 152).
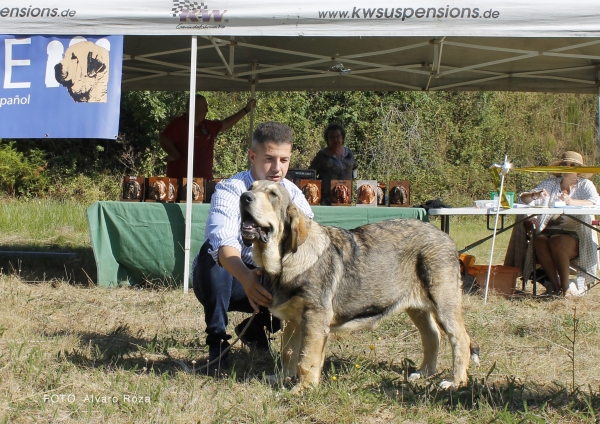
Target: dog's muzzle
(251, 231)
(60, 77)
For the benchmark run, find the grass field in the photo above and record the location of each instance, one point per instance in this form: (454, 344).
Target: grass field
(45, 226)
(77, 353)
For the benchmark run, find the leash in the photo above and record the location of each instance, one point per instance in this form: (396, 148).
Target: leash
(263, 282)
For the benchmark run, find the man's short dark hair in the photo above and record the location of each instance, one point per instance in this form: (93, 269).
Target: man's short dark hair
(334, 126)
(273, 132)
(187, 102)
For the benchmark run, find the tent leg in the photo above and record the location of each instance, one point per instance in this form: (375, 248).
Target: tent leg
(190, 165)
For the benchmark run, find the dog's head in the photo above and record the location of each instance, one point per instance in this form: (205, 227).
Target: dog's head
(380, 196)
(398, 195)
(132, 189)
(340, 194)
(158, 190)
(196, 191)
(171, 197)
(366, 194)
(271, 222)
(82, 69)
(311, 192)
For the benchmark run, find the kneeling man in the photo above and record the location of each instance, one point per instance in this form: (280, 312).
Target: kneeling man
(224, 275)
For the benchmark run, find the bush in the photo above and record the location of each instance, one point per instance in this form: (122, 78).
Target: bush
(22, 174)
(86, 189)
(443, 143)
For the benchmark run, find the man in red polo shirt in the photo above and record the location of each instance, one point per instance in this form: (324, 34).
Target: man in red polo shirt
(174, 140)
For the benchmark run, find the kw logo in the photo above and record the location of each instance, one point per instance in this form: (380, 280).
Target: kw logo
(193, 11)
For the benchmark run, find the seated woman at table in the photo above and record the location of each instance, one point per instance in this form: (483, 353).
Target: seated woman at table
(561, 238)
(334, 162)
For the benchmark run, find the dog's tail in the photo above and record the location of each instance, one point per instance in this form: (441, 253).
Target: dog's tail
(474, 348)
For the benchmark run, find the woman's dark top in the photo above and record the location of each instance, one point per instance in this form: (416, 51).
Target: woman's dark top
(329, 167)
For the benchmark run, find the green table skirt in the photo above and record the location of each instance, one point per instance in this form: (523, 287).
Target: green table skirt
(137, 242)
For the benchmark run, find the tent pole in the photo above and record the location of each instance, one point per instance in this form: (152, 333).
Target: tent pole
(498, 206)
(190, 165)
(252, 92)
(232, 55)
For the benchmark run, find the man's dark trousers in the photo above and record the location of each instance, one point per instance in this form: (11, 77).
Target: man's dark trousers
(219, 293)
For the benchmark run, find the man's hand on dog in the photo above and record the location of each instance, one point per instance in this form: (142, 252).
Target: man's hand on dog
(230, 258)
(257, 294)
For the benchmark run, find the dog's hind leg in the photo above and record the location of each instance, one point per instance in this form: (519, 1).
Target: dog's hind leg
(430, 338)
(290, 347)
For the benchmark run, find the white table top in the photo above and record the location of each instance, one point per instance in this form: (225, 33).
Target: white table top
(521, 210)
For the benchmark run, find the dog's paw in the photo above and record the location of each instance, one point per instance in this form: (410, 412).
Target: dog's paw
(446, 385)
(415, 376)
(303, 386)
(297, 389)
(475, 358)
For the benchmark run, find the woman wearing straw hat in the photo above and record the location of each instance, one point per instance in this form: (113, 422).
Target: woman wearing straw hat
(562, 239)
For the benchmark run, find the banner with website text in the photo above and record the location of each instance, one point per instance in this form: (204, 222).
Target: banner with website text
(60, 86)
(485, 18)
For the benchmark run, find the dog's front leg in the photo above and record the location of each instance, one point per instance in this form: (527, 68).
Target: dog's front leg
(312, 351)
(290, 346)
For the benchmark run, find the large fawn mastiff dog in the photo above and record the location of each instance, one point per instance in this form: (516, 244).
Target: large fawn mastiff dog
(328, 279)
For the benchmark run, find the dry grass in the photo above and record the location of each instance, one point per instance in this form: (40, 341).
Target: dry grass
(92, 350)
(70, 353)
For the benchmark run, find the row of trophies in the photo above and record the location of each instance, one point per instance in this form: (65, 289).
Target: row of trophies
(368, 192)
(166, 190)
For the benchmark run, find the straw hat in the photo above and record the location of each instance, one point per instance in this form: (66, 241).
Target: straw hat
(572, 158)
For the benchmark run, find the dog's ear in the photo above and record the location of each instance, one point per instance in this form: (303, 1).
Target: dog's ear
(298, 230)
(94, 64)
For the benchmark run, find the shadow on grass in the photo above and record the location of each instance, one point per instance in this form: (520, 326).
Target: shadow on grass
(121, 349)
(37, 269)
(384, 380)
(502, 394)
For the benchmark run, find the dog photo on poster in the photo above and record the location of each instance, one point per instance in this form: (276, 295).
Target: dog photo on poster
(60, 86)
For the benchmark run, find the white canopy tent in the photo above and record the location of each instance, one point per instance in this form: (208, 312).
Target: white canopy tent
(511, 45)
(525, 45)
(361, 63)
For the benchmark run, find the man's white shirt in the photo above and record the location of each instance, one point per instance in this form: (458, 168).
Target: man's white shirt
(224, 221)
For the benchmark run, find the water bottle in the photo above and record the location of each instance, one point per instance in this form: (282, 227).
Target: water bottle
(581, 284)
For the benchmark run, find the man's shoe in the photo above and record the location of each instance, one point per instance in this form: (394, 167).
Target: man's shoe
(221, 360)
(255, 335)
